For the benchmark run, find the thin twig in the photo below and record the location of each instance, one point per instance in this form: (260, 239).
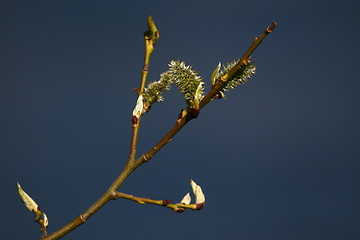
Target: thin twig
(243, 61)
(151, 36)
(176, 207)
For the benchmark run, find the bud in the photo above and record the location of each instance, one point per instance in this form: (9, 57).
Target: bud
(198, 95)
(138, 110)
(199, 206)
(199, 195)
(153, 32)
(194, 112)
(28, 201)
(134, 120)
(215, 74)
(186, 199)
(45, 219)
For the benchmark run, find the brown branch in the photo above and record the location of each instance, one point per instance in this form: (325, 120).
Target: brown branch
(151, 37)
(110, 194)
(243, 61)
(131, 165)
(176, 207)
(181, 122)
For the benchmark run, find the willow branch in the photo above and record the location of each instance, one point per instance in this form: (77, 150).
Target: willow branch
(131, 165)
(242, 62)
(176, 207)
(150, 38)
(183, 120)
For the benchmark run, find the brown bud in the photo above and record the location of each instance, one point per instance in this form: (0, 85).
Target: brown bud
(134, 120)
(199, 206)
(218, 96)
(194, 112)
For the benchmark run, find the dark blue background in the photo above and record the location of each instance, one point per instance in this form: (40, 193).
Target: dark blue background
(279, 159)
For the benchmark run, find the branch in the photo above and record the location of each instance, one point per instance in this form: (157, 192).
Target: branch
(151, 37)
(242, 62)
(185, 117)
(176, 207)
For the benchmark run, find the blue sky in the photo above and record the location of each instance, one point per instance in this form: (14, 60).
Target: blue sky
(278, 159)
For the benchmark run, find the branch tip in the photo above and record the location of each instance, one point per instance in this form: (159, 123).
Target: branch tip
(271, 28)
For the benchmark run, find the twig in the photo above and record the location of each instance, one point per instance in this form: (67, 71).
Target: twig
(150, 38)
(243, 61)
(176, 207)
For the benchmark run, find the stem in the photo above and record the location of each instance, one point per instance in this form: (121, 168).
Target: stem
(176, 207)
(150, 38)
(110, 194)
(208, 97)
(131, 165)
(243, 61)
(141, 200)
(166, 139)
(134, 139)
